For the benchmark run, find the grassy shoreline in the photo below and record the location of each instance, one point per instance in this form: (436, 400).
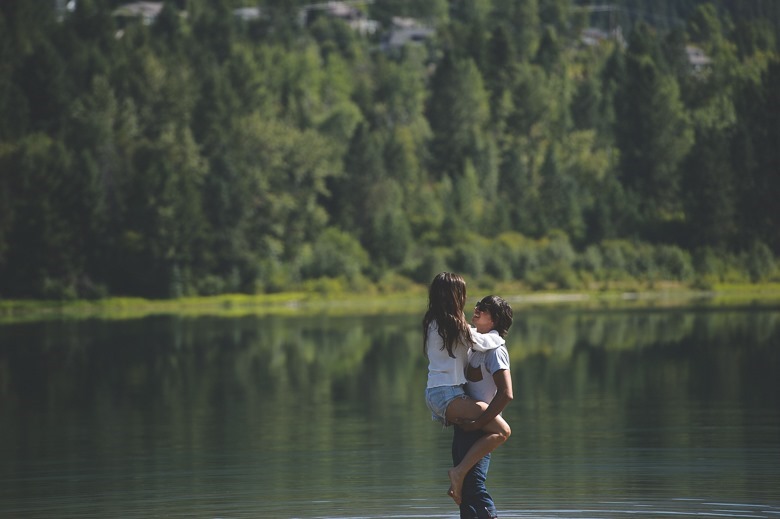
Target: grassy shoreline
(411, 300)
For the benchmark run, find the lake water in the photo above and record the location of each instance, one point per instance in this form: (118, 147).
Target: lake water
(650, 413)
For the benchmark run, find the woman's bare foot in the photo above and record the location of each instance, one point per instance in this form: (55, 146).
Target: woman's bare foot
(456, 483)
(454, 497)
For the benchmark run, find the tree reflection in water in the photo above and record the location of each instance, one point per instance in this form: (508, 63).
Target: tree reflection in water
(316, 415)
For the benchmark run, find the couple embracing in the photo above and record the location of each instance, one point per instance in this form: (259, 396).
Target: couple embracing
(469, 385)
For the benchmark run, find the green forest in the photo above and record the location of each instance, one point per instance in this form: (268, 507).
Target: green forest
(264, 146)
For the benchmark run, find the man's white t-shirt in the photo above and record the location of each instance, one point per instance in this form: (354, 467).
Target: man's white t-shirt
(444, 370)
(489, 361)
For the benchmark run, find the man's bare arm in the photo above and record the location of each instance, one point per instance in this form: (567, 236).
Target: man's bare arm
(504, 395)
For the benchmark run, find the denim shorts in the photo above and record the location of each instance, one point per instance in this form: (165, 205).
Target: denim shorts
(439, 398)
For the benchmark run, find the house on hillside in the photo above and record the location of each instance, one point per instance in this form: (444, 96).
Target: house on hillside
(406, 31)
(593, 36)
(64, 7)
(146, 11)
(697, 59)
(248, 14)
(352, 16)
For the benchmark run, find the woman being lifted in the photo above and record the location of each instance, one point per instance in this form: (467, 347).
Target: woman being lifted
(447, 338)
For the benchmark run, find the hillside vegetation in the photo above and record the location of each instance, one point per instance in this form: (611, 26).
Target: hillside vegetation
(206, 153)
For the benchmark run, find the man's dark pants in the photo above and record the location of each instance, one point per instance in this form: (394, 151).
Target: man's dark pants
(476, 502)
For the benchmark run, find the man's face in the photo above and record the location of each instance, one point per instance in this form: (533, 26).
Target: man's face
(482, 320)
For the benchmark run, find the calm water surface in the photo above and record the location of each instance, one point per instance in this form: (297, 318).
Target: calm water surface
(629, 413)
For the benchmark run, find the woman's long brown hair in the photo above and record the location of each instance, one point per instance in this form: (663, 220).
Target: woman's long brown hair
(446, 301)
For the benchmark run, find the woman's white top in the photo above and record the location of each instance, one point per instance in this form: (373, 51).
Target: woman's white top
(444, 370)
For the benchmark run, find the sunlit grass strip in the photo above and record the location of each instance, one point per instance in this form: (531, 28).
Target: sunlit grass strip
(412, 301)
(226, 305)
(746, 288)
(746, 293)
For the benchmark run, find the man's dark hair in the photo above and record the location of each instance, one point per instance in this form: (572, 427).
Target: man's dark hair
(500, 312)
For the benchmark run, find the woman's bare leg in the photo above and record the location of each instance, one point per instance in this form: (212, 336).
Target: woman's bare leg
(497, 433)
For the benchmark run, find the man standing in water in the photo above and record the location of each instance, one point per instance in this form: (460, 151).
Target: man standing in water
(489, 380)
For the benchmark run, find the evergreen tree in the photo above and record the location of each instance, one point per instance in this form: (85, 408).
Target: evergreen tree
(14, 112)
(757, 158)
(163, 220)
(550, 50)
(43, 79)
(522, 17)
(559, 199)
(519, 191)
(458, 114)
(45, 257)
(363, 167)
(611, 78)
(499, 61)
(388, 235)
(653, 133)
(709, 195)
